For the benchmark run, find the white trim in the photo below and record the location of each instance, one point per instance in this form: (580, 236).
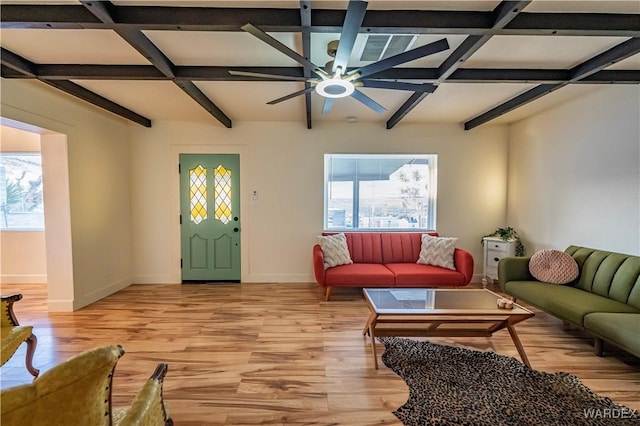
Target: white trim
(101, 293)
(60, 306)
(153, 279)
(279, 278)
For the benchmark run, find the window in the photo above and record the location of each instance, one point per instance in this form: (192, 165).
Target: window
(369, 191)
(21, 203)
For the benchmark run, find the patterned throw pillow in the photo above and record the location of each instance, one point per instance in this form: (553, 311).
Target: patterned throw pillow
(438, 251)
(553, 266)
(335, 250)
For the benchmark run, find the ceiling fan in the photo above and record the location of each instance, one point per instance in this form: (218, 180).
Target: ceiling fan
(335, 80)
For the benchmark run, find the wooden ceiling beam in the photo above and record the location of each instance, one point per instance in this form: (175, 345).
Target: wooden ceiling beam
(617, 53)
(586, 69)
(219, 73)
(414, 99)
(13, 63)
(323, 20)
(196, 94)
(305, 20)
(18, 63)
(97, 100)
(503, 13)
(106, 12)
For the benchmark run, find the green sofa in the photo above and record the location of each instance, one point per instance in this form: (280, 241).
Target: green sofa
(604, 299)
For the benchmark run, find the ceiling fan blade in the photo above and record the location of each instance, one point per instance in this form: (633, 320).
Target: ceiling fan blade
(368, 101)
(401, 58)
(326, 106)
(257, 32)
(291, 95)
(399, 85)
(352, 22)
(274, 76)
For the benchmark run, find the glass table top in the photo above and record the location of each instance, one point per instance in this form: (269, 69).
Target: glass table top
(434, 301)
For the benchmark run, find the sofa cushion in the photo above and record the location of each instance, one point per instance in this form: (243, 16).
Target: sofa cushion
(335, 251)
(609, 274)
(401, 247)
(360, 275)
(418, 275)
(565, 302)
(437, 251)
(621, 329)
(553, 266)
(365, 247)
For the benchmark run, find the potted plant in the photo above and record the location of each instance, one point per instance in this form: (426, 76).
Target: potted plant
(507, 234)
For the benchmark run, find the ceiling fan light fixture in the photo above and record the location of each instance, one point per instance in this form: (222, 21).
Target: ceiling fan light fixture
(335, 88)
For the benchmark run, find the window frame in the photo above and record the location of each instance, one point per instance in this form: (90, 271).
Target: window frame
(431, 194)
(4, 228)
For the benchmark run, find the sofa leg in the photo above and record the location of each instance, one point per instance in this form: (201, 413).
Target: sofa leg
(327, 294)
(31, 350)
(597, 346)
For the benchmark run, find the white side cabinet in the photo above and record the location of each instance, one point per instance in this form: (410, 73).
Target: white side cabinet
(494, 250)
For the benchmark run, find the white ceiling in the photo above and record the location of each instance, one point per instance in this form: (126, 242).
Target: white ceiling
(246, 101)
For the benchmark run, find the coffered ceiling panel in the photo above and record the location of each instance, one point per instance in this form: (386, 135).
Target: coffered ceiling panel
(547, 102)
(455, 103)
(222, 48)
(234, 95)
(539, 51)
(631, 63)
(71, 47)
(161, 100)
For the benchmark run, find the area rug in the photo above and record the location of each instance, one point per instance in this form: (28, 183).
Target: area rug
(451, 385)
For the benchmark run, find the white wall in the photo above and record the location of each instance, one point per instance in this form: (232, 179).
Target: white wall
(22, 253)
(574, 173)
(92, 148)
(124, 187)
(284, 163)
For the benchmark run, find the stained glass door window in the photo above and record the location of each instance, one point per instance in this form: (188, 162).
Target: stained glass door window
(198, 194)
(222, 194)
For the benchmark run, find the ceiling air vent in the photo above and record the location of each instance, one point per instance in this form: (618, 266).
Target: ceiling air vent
(381, 46)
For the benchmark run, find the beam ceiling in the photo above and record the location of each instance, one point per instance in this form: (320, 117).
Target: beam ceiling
(508, 18)
(577, 73)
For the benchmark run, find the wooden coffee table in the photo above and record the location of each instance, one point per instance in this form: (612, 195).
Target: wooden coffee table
(412, 312)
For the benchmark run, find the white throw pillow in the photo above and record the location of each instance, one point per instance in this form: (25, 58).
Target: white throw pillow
(438, 251)
(335, 250)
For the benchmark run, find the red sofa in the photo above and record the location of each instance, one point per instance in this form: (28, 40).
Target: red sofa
(388, 259)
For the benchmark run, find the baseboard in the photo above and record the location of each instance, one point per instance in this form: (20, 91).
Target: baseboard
(153, 279)
(101, 293)
(278, 278)
(60, 306)
(23, 279)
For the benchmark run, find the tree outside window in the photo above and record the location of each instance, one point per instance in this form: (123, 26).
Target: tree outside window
(21, 200)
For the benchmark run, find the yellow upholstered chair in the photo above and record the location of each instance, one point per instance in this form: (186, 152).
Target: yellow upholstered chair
(13, 334)
(78, 392)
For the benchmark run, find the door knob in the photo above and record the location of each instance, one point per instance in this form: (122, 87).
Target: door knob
(236, 229)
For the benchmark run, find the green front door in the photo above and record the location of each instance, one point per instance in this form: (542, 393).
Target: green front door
(210, 217)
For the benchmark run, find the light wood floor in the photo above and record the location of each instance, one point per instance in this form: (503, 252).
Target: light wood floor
(274, 354)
